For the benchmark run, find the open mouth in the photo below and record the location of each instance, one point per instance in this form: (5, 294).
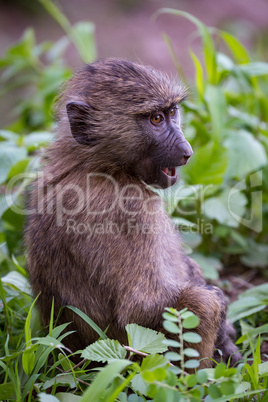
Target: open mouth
(170, 172)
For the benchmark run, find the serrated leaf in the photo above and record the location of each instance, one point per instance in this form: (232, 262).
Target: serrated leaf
(191, 337)
(145, 339)
(104, 350)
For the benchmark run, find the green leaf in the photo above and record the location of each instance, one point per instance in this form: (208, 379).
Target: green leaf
(171, 327)
(214, 391)
(191, 352)
(61, 379)
(6, 391)
(6, 135)
(263, 369)
(145, 339)
(105, 350)
(83, 36)
(28, 356)
(138, 385)
(9, 156)
(245, 154)
(191, 380)
(19, 167)
(207, 165)
(192, 364)
(42, 397)
(97, 388)
(88, 321)
(202, 376)
(263, 329)
(173, 356)
(67, 397)
(198, 74)
(152, 362)
(190, 322)
(210, 265)
(171, 343)
(255, 69)
(170, 317)
(208, 46)
(228, 208)
(238, 50)
(14, 278)
(36, 139)
(256, 255)
(220, 370)
(227, 387)
(217, 107)
(191, 337)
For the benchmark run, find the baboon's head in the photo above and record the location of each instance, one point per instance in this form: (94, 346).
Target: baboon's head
(127, 116)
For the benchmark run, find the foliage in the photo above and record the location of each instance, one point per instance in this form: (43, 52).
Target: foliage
(34, 365)
(223, 188)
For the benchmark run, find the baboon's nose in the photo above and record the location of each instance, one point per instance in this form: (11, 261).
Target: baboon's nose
(187, 152)
(187, 157)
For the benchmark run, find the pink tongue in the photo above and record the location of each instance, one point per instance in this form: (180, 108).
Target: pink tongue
(169, 171)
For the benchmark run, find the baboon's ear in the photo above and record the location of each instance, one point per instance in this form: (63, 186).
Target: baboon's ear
(79, 118)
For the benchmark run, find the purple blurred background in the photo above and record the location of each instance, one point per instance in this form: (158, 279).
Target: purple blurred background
(125, 28)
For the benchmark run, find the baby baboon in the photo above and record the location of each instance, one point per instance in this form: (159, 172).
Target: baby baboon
(98, 237)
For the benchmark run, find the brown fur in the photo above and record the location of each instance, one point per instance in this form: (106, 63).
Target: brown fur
(115, 278)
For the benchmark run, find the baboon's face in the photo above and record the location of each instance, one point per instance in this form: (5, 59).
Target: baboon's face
(167, 148)
(148, 146)
(127, 116)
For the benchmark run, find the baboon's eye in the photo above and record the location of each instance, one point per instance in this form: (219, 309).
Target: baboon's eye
(172, 112)
(156, 119)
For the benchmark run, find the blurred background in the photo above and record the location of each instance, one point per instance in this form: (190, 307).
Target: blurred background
(125, 28)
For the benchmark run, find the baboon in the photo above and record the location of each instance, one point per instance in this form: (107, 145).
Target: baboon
(98, 237)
